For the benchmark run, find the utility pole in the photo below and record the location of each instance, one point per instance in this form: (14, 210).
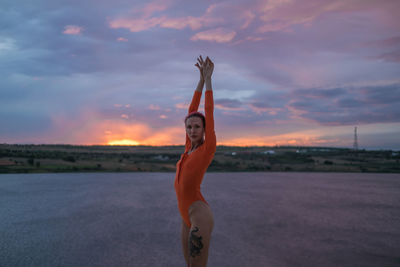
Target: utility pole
(355, 144)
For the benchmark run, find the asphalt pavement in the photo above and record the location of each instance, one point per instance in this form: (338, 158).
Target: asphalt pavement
(261, 219)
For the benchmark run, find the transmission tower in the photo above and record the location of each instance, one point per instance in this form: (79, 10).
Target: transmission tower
(355, 144)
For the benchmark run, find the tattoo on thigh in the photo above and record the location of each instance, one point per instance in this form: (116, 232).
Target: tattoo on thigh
(195, 244)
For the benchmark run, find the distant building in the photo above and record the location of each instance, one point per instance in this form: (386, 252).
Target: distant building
(160, 157)
(269, 152)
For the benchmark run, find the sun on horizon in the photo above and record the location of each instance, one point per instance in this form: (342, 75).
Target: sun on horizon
(123, 142)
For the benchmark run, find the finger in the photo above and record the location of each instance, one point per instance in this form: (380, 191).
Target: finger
(202, 61)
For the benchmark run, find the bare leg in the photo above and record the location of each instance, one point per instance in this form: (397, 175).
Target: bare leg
(202, 222)
(184, 237)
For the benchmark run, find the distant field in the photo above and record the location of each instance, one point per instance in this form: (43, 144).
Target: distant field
(71, 158)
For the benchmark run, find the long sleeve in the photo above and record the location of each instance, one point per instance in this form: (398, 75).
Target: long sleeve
(194, 106)
(210, 138)
(190, 169)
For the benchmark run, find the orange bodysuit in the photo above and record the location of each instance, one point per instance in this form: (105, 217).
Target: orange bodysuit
(191, 167)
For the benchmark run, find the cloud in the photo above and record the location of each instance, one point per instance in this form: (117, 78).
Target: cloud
(72, 29)
(299, 138)
(228, 104)
(91, 128)
(381, 95)
(280, 66)
(153, 7)
(20, 124)
(262, 107)
(145, 20)
(320, 92)
(279, 15)
(347, 106)
(248, 17)
(182, 106)
(136, 25)
(387, 42)
(219, 35)
(6, 44)
(393, 56)
(153, 107)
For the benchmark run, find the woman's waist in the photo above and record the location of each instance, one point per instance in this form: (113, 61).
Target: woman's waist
(183, 202)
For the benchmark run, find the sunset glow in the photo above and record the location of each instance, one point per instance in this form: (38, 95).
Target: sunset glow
(287, 72)
(123, 143)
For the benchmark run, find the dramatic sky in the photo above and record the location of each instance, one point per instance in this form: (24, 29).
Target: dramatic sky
(286, 72)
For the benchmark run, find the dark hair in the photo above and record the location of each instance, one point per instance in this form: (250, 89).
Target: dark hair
(196, 114)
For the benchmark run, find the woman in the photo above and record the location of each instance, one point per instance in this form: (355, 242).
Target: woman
(197, 218)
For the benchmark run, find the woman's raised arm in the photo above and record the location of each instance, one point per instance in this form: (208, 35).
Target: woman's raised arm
(194, 105)
(210, 138)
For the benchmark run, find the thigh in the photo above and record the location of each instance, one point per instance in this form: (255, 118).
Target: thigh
(200, 233)
(199, 244)
(184, 238)
(200, 213)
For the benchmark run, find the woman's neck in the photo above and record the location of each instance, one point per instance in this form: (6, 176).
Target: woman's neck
(196, 145)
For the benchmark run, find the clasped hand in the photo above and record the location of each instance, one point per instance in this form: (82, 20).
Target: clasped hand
(206, 68)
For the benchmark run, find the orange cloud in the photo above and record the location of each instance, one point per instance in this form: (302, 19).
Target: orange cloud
(136, 25)
(293, 139)
(280, 15)
(182, 106)
(219, 35)
(150, 8)
(180, 23)
(89, 128)
(72, 29)
(145, 21)
(248, 16)
(136, 134)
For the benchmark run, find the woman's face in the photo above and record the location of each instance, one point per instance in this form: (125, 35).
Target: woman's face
(194, 128)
